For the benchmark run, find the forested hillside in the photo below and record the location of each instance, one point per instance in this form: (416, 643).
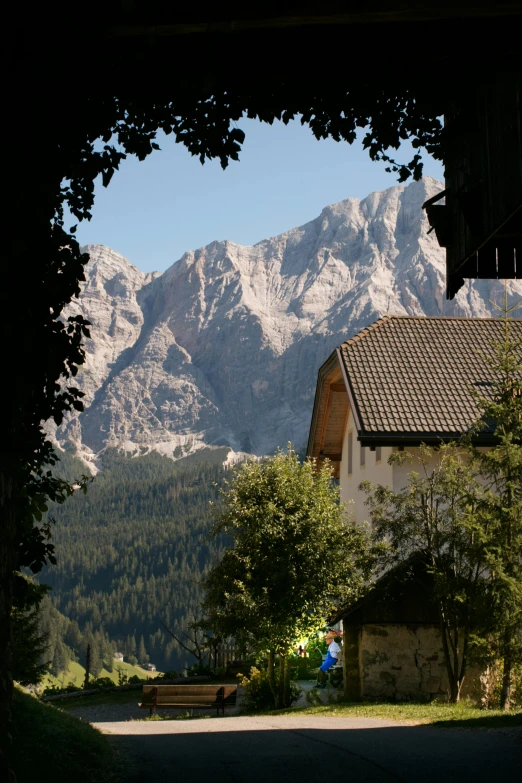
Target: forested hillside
(132, 552)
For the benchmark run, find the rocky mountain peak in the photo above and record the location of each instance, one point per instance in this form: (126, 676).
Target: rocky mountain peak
(223, 348)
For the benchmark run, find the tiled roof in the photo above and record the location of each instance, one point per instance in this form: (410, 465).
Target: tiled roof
(413, 375)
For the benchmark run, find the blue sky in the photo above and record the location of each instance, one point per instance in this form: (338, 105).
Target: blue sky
(153, 211)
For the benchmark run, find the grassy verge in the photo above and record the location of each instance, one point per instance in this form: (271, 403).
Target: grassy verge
(185, 715)
(51, 745)
(462, 715)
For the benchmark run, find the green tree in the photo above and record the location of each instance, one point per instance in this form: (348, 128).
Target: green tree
(106, 652)
(73, 636)
(143, 656)
(30, 643)
(61, 658)
(501, 507)
(131, 649)
(294, 555)
(96, 661)
(436, 515)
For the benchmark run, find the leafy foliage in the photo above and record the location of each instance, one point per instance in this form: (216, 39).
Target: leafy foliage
(257, 692)
(55, 690)
(501, 507)
(494, 691)
(295, 556)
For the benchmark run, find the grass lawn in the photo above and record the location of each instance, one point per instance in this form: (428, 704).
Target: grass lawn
(49, 744)
(76, 674)
(462, 715)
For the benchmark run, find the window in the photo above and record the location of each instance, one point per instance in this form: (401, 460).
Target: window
(378, 453)
(350, 453)
(363, 456)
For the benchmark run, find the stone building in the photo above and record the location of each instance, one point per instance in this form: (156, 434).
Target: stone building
(400, 382)
(391, 640)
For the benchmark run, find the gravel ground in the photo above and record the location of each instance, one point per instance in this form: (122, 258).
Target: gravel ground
(107, 713)
(113, 713)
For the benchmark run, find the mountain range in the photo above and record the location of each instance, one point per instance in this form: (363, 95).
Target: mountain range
(223, 348)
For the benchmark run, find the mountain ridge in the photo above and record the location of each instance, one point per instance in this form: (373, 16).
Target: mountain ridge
(222, 349)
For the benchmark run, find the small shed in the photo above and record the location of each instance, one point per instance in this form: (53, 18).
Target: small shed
(118, 656)
(150, 667)
(392, 647)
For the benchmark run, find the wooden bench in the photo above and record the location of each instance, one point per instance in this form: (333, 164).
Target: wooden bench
(335, 675)
(193, 696)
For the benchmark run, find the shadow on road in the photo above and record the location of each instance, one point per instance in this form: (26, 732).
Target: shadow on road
(279, 750)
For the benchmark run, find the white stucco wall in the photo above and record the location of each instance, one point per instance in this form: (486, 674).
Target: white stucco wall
(376, 472)
(395, 476)
(401, 472)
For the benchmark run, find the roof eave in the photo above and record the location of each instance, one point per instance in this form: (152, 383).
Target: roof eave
(349, 390)
(323, 371)
(415, 439)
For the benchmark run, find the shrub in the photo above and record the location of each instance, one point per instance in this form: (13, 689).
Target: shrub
(257, 693)
(101, 682)
(53, 690)
(135, 679)
(198, 670)
(170, 675)
(493, 686)
(304, 669)
(123, 677)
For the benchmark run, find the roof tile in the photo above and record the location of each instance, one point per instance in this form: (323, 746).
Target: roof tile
(412, 374)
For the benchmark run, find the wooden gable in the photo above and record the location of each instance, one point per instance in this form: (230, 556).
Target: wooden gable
(330, 415)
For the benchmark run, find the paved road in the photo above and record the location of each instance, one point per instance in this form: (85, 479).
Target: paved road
(288, 749)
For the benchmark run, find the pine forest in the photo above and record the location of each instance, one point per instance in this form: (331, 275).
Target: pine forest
(131, 554)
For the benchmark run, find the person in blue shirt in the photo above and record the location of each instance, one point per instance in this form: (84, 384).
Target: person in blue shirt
(333, 656)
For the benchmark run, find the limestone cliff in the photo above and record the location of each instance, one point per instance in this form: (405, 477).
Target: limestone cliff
(223, 348)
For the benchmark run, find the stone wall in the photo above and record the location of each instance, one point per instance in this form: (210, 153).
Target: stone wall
(401, 662)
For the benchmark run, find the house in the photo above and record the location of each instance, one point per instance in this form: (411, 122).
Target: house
(150, 667)
(118, 656)
(402, 381)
